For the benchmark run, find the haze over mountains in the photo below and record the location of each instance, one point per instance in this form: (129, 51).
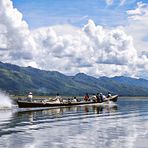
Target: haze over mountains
(20, 80)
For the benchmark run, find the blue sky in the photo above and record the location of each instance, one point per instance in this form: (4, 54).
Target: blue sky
(40, 13)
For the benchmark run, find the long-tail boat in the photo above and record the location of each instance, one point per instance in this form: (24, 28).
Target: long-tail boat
(33, 104)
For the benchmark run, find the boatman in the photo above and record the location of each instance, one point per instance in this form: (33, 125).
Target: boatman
(30, 96)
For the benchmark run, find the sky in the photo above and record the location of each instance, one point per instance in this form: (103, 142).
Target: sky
(39, 13)
(96, 37)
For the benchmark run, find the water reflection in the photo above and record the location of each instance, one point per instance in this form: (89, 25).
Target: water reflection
(63, 111)
(24, 118)
(76, 127)
(19, 126)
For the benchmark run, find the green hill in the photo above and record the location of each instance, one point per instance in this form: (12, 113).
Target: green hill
(20, 80)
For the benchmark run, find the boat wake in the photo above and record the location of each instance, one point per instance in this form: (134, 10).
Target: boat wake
(5, 101)
(112, 104)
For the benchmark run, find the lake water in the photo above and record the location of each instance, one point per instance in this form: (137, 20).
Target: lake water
(124, 126)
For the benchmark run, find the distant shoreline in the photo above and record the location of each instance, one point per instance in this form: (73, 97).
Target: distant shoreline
(133, 97)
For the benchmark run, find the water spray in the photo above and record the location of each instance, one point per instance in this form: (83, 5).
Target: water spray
(5, 101)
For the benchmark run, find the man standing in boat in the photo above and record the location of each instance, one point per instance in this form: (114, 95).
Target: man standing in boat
(30, 96)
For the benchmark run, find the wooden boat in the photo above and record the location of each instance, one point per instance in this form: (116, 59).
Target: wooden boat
(27, 104)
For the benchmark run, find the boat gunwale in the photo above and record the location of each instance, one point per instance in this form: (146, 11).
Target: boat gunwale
(26, 104)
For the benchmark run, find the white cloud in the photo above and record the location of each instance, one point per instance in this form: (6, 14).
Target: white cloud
(109, 2)
(84, 50)
(137, 27)
(122, 2)
(138, 22)
(140, 13)
(15, 35)
(92, 49)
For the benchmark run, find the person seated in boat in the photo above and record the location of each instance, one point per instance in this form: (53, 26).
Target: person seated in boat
(58, 98)
(69, 100)
(94, 98)
(30, 96)
(109, 95)
(102, 97)
(98, 98)
(75, 99)
(86, 97)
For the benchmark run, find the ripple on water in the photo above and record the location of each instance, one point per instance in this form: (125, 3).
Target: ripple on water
(83, 126)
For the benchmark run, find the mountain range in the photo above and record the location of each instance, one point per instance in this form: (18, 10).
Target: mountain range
(18, 80)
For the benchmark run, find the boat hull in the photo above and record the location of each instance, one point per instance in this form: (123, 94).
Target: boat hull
(26, 104)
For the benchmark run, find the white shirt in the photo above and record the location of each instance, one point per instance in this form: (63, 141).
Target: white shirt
(30, 96)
